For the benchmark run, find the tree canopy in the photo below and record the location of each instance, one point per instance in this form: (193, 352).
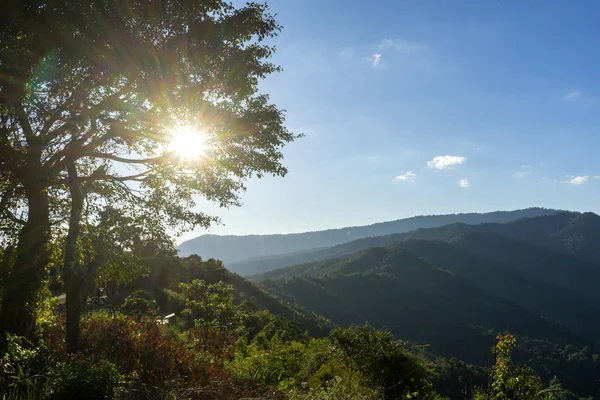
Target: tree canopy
(91, 96)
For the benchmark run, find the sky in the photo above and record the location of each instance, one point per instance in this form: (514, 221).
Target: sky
(428, 107)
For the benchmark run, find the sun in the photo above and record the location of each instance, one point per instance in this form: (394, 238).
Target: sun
(188, 142)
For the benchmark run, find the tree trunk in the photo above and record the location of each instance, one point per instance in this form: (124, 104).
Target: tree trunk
(74, 285)
(17, 313)
(76, 298)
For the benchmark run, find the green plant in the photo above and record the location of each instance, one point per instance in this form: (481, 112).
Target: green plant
(85, 379)
(139, 303)
(382, 363)
(337, 389)
(22, 367)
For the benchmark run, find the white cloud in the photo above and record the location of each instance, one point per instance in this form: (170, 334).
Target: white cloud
(446, 162)
(376, 59)
(572, 96)
(464, 183)
(407, 177)
(521, 174)
(395, 48)
(578, 180)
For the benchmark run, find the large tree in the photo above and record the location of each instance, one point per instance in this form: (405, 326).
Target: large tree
(91, 95)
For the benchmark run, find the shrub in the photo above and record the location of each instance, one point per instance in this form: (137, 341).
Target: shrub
(337, 389)
(140, 303)
(85, 379)
(382, 363)
(169, 301)
(149, 354)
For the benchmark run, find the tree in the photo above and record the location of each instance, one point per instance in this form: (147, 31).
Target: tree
(92, 97)
(209, 306)
(113, 250)
(509, 381)
(382, 362)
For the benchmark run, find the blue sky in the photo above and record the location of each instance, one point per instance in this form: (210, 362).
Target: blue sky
(385, 91)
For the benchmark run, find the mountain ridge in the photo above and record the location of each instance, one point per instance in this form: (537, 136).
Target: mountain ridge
(232, 248)
(561, 232)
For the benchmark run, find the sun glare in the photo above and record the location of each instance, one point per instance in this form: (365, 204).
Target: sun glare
(188, 143)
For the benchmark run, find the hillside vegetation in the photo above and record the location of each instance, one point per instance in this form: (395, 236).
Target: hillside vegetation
(455, 287)
(395, 289)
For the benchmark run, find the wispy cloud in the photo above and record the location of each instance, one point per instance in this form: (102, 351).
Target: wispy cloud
(524, 172)
(578, 180)
(572, 96)
(376, 59)
(521, 174)
(407, 177)
(464, 183)
(394, 48)
(446, 162)
(401, 45)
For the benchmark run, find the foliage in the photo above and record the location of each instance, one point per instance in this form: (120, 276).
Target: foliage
(22, 367)
(336, 389)
(145, 351)
(509, 381)
(357, 362)
(84, 89)
(139, 303)
(382, 362)
(512, 382)
(85, 379)
(208, 305)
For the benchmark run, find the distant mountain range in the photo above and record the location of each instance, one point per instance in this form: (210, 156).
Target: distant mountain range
(552, 278)
(232, 249)
(456, 287)
(568, 233)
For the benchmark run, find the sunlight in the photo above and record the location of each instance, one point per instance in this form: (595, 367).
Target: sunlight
(188, 142)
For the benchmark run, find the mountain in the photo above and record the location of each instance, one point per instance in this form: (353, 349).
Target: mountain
(571, 301)
(232, 249)
(523, 262)
(568, 233)
(391, 287)
(455, 307)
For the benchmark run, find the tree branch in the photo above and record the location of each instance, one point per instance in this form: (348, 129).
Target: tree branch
(14, 219)
(24, 122)
(127, 160)
(8, 193)
(91, 112)
(115, 178)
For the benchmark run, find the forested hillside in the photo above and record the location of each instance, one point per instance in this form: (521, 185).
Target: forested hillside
(454, 314)
(232, 249)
